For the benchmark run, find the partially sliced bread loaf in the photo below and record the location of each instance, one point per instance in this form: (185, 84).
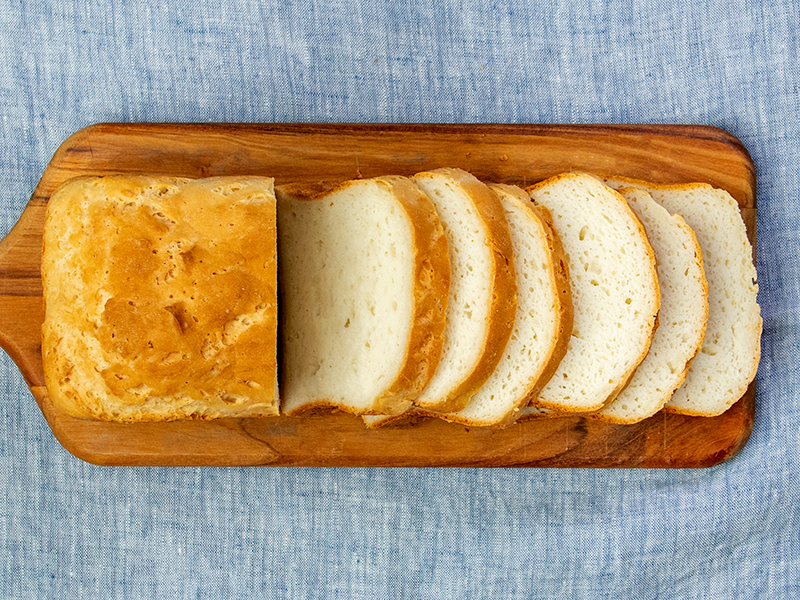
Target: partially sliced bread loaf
(727, 362)
(544, 317)
(161, 298)
(614, 291)
(681, 320)
(482, 301)
(364, 275)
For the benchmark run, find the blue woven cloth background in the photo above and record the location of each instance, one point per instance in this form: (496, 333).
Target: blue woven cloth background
(72, 530)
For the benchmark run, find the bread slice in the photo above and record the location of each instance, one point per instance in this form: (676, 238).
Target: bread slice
(482, 300)
(160, 298)
(364, 278)
(614, 287)
(565, 320)
(681, 320)
(544, 317)
(727, 362)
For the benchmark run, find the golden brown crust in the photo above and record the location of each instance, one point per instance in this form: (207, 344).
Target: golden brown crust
(408, 418)
(392, 407)
(161, 298)
(309, 191)
(533, 413)
(504, 299)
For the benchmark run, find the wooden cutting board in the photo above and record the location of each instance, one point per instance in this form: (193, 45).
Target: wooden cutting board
(518, 154)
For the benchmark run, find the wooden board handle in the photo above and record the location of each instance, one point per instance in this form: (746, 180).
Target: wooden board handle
(21, 302)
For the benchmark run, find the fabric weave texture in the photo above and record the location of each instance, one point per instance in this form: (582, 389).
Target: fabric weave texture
(69, 529)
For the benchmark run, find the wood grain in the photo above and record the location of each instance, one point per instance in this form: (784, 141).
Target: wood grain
(518, 154)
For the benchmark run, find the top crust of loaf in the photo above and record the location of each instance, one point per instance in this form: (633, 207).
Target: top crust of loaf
(682, 318)
(160, 297)
(613, 328)
(722, 371)
(428, 278)
(500, 314)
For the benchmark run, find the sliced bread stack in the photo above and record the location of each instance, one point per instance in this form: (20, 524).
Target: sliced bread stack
(482, 301)
(573, 297)
(681, 320)
(544, 317)
(542, 327)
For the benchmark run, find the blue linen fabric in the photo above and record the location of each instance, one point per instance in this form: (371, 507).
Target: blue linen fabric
(72, 530)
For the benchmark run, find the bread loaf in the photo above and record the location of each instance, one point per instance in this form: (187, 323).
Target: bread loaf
(399, 299)
(364, 279)
(160, 298)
